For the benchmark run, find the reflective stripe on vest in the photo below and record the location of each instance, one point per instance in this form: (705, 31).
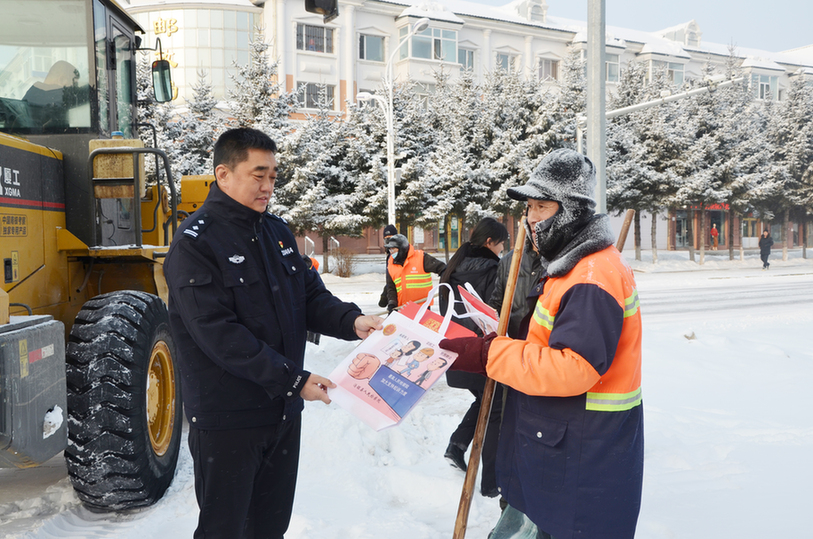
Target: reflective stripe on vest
(613, 402)
(631, 304)
(543, 317)
(418, 280)
(397, 283)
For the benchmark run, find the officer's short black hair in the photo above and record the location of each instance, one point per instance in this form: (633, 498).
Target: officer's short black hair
(232, 146)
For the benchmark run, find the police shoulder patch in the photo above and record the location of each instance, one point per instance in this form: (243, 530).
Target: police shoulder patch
(197, 225)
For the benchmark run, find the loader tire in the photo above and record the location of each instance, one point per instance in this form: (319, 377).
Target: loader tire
(124, 402)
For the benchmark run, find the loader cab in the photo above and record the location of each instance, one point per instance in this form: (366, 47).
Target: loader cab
(67, 67)
(68, 76)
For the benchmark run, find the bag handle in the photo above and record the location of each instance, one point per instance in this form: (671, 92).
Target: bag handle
(447, 317)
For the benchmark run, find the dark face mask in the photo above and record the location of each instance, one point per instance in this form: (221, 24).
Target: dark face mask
(539, 230)
(550, 241)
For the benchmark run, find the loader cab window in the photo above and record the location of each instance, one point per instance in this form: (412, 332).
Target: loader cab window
(45, 83)
(115, 71)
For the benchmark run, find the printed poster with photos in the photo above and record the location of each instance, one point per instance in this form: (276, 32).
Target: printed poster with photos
(391, 370)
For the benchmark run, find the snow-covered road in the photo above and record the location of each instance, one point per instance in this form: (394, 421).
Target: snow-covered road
(736, 291)
(727, 359)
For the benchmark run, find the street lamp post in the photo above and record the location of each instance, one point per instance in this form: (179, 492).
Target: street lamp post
(387, 107)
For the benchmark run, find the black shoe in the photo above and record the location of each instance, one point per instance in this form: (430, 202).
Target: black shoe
(454, 454)
(490, 493)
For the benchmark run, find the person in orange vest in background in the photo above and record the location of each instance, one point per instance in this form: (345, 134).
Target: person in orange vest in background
(714, 236)
(310, 262)
(389, 231)
(408, 272)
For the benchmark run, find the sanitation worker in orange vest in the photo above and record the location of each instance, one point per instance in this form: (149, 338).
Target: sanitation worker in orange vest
(408, 272)
(389, 231)
(570, 456)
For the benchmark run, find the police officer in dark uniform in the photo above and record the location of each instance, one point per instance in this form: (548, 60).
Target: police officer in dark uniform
(241, 302)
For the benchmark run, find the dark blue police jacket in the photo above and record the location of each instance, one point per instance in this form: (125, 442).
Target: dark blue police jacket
(240, 304)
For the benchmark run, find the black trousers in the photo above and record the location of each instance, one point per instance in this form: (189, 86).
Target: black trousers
(764, 257)
(464, 434)
(245, 480)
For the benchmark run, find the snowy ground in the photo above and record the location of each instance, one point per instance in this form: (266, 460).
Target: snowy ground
(727, 360)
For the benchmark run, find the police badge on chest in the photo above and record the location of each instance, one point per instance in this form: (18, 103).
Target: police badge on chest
(285, 250)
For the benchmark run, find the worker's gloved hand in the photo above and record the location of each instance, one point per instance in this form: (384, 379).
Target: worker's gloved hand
(382, 301)
(391, 306)
(472, 353)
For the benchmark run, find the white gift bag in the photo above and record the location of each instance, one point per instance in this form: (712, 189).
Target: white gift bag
(392, 369)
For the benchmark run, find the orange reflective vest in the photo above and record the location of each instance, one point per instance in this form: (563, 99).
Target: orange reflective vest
(571, 444)
(412, 281)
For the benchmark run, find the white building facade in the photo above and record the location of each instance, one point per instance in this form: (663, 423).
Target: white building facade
(350, 53)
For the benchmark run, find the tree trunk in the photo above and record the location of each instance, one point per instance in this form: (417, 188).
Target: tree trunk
(690, 232)
(702, 235)
(325, 257)
(637, 221)
(788, 234)
(742, 247)
(803, 236)
(731, 234)
(654, 237)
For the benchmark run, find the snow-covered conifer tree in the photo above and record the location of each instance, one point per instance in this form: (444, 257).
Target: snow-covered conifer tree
(572, 97)
(791, 135)
(708, 175)
(643, 150)
(414, 142)
(501, 139)
(259, 99)
(365, 160)
(314, 193)
(201, 125)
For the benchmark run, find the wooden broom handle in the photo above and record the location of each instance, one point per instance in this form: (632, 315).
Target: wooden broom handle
(488, 391)
(625, 228)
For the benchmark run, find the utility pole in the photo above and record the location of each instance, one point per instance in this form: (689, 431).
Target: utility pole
(596, 100)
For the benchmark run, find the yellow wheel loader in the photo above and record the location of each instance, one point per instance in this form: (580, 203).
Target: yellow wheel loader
(87, 360)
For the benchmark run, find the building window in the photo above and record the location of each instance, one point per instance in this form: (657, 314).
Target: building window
(765, 87)
(674, 71)
(465, 58)
(312, 95)
(431, 44)
(506, 62)
(611, 67)
(750, 228)
(537, 13)
(371, 48)
(548, 69)
(314, 38)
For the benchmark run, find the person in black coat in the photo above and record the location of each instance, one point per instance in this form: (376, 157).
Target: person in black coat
(765, 243)
(241, 303)
(475, 262)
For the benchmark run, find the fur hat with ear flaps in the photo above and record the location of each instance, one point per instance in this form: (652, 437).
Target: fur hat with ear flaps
(400, 242)
(568, 178)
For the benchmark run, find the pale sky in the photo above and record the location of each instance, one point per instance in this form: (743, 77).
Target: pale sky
(771, 25)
